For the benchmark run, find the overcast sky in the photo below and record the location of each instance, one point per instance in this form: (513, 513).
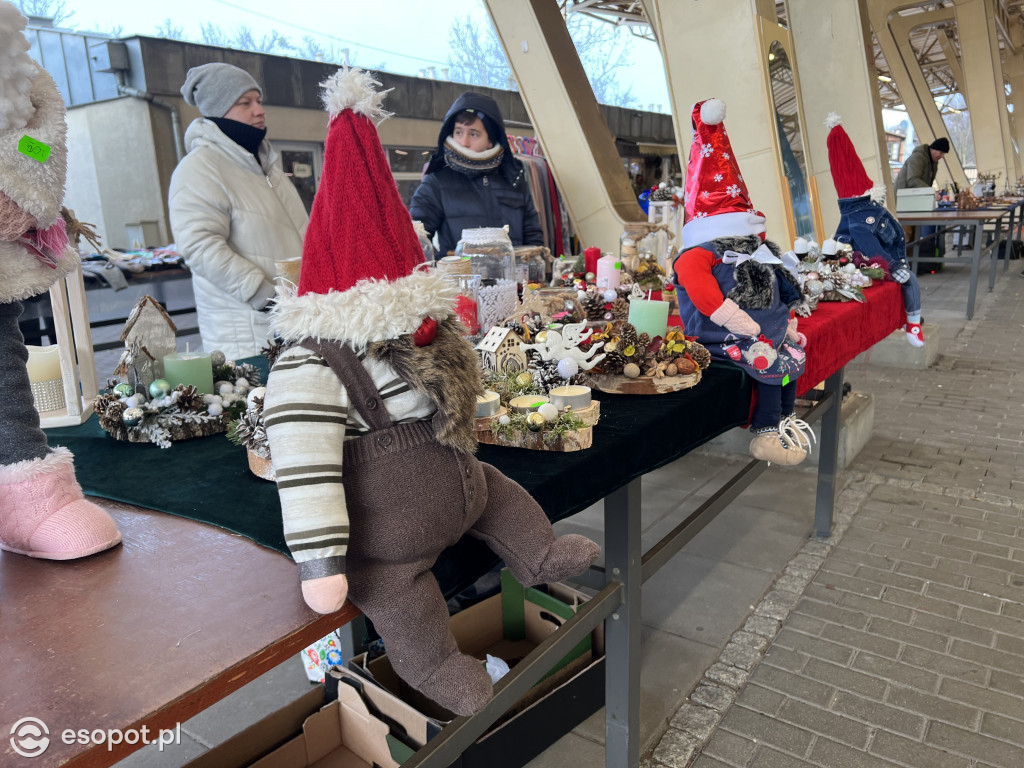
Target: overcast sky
(404, 35)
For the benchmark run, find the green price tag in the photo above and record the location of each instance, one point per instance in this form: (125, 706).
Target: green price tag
(785, 380)
(538, 404)
(618, 265)
(34, 148)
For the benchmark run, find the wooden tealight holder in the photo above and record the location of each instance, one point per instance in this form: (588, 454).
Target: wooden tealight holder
(572, 441)
(77, 361)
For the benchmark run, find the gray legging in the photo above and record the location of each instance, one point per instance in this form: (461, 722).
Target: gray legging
(20, 436)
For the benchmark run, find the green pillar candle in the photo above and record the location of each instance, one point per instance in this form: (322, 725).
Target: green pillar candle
(189, 368)
(650, 317)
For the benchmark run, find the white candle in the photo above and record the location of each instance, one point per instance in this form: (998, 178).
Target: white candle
(487, 404)
(650, 317)
(527, 403)
(575, 395)
(43, 363)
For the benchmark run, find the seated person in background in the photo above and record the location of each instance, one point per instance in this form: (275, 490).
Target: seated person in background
(473, 180)
(233, 210)
(865, 223)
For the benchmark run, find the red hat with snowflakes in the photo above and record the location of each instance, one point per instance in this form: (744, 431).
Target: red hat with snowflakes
(717, 202)
(362, 278)
(848, 174)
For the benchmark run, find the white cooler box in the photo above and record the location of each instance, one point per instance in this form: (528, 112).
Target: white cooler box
(915, 199)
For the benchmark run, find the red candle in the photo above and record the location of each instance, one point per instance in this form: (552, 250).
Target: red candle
(590, 257)
(466, 309)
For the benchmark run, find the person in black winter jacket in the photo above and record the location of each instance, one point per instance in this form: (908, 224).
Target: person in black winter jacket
(473, 180)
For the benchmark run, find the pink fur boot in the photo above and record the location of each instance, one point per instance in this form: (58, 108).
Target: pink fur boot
(43, 513)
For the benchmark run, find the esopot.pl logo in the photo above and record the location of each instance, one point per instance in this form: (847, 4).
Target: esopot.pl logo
(30, 737)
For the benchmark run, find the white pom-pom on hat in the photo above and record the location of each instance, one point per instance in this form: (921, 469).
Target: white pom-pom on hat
(828, 248)
(800, 246)
(833, 120)
(354, 89)
(712, 112)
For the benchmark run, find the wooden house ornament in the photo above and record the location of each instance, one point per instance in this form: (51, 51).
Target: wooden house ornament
(149, 334)
(500, 351)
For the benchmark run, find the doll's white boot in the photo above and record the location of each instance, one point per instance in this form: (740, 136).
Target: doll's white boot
(772, 446)
(43, 513)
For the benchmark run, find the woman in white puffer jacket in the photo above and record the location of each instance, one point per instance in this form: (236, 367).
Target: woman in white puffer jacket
(233, 210)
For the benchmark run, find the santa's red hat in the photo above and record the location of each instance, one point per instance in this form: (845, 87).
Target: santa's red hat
(363, 278)
(717, 202)
(848, 174)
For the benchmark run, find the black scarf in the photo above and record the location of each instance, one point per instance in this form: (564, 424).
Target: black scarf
(248, 137)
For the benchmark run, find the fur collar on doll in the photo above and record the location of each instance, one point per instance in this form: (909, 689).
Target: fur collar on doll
(448, 372)
(754, 280)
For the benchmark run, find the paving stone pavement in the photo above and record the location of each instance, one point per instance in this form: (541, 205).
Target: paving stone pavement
(899, 640)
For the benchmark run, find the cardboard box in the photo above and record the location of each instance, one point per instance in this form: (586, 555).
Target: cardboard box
(355, 729)
(915, 199)
(373, 723)
(509, 626)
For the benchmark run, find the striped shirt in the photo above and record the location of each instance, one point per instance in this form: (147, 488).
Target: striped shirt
(308, 415)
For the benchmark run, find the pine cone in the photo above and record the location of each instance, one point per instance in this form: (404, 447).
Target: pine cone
(699, 354)
(643, 339)
(190, 398)
(628, 336)
(612, 363)
(272, 351)
(620, 309)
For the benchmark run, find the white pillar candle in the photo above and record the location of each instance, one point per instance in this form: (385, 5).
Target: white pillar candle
(43, 363)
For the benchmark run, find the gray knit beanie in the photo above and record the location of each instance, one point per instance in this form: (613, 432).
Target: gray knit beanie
(214, 88)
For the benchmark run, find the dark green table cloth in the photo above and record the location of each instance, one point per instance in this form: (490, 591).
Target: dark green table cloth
(208, 478)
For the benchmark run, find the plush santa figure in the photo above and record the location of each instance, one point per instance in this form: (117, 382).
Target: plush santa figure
(42, 511)
(866, 224)
(370, 417)
(734, 293)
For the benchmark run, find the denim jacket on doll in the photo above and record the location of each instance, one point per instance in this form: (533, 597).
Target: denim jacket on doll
(872, 230)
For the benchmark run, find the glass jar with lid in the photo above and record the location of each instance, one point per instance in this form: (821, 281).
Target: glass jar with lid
(491, 255)
(490, 252)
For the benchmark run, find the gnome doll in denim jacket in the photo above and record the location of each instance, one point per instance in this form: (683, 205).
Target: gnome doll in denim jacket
(866, 224)
(735, 294)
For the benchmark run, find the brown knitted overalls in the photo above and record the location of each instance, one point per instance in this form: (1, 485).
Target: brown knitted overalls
(409, 497)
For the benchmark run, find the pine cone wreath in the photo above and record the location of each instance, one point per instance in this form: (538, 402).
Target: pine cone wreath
(699, 354)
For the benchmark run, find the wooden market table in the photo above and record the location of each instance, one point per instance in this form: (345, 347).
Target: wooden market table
(972, 226)
(183, 613)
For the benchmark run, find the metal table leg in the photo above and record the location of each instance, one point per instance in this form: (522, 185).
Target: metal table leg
(979, 232)
(828, 460)
(623, 552)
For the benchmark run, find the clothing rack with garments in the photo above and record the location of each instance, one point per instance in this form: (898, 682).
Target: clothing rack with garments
(551, 210)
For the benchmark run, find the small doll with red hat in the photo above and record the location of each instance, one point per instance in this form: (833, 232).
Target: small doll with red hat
(866, 224)
(42, 511)
(735, 294)
(370, 415)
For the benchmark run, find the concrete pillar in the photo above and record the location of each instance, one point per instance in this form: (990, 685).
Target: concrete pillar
(720, 49)
(1013, 68)
(892, 32)
(836, 46)
(983, 88)
(567, 119)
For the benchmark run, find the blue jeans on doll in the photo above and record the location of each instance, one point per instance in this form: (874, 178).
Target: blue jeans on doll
(873, 231)
(772, 403)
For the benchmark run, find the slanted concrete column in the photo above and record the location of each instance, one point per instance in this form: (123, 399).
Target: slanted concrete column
(719, 49)
(892, 32)
(567, 119)
(836, 47)
(1013, 68)
(983, 87)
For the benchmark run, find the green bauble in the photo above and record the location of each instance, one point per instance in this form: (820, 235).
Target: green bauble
(132, 417)
(124, 389)
(159, 388)
(535, 422)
